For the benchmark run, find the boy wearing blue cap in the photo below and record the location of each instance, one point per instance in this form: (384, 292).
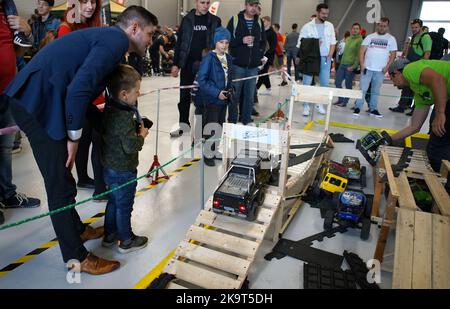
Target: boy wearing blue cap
(214, 79)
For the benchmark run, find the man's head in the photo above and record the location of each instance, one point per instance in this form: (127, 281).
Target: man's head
(425, 29)
(322, 12)
(441, 31)
(44, 7)
(396, 73)
(124, 83)
(276, 27)
(294, 27)
(202, 6)
(346, 34)
(383, 25)
(252, 7)
(139, 25)
(222, 39)
(267, 22)
(356, 29)
(416, 26)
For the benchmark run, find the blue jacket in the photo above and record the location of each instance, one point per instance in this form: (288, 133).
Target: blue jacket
(211, 78)
(59, 83)
(40, 28)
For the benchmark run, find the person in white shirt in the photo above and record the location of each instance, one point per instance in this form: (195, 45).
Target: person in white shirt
(378, 51)
(320, 28)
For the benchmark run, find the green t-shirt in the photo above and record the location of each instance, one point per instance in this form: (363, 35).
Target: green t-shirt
(351, 51)
(423, 95)
(426, 44)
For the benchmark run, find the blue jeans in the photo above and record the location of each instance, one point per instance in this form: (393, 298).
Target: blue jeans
(7, 188)
(120, 203)
(9, 7)
(341, 75)
(324, 75)
(376, 78)
(291, 55)
(248, 87)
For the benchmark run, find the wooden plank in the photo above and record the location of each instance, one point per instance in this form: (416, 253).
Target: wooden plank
(406, 197)
(390, 175)
(174, 286)
(235, 225)
(441, 252)
(271, 201)
(385, 226)
(422, 257)
(445, 168)
(324, 91)
(440, 195)
(404, 249)
(220, 240)
(265, 215)
(212, 258)
(200, 276)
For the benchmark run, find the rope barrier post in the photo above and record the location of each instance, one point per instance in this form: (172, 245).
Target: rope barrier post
(156, 165)
(202, 176)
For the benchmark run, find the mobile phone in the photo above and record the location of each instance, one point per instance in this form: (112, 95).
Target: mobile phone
(365, 71)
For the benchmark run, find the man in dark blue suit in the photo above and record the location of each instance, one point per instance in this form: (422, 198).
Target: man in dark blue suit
(49, 99)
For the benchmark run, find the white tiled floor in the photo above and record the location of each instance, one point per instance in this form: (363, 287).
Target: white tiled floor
(165, 212)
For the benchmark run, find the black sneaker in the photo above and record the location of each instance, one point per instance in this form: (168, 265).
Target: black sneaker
(133, 244)
(109, 241)
(20, 200)
(21, 39)
(397, 109)
(87, 184)
(356, 111)
(410, 113)
(209, 161)
(375, 113)
(2, 218)
(283, 83)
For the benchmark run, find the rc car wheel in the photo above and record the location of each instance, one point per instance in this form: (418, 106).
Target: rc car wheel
(365, 229)
(368, 210)
(362, 177)
(252, 214)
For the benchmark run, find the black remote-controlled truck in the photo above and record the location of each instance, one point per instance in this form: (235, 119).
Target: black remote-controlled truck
(241, 190)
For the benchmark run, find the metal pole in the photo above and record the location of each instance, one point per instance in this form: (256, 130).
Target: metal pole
(157, 121)
(202, 178)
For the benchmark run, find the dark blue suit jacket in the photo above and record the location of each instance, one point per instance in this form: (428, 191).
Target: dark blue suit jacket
(59, 83)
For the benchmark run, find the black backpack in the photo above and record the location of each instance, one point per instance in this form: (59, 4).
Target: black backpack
(438, 45)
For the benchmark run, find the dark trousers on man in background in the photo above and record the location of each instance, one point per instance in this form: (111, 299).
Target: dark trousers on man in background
(186, 78)
(438, 148)
(51, 157)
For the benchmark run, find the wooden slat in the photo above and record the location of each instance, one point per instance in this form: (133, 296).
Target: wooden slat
(441, 252)
(227, 242)
(232, 224)
(200, 276)
(404, 249)
(440, 195)
(445, 168)
(422, 257)
(324, 91)
(271, 201)
(174, 286)
(406, 197)
(390, 175)
(265, 215)
(215, 259)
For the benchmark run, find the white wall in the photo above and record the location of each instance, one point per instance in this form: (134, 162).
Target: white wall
(297, 11)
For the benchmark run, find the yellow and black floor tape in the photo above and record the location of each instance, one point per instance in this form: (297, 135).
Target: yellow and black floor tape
(20, 261)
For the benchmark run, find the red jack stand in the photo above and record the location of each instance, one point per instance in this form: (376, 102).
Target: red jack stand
(156, 177)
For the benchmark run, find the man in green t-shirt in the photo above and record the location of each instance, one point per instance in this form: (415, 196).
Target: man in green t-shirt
(418, 48)
(430, 82)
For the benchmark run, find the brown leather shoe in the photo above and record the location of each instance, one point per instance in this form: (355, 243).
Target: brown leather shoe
(92, 233)
(95, 265)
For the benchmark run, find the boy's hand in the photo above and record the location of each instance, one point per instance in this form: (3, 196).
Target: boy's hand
(19, 24)
(72, 148)
(175, 70)
(143, 131)
(222, 95)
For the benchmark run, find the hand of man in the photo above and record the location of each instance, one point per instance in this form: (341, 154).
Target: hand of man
(175, 71)
(363, 68)
(222, 95)
(247, 39)
(385, 69)
(72, 148)
(438, 125)
(143, 131)
(19, 24)
(297, 61)
(350, 69)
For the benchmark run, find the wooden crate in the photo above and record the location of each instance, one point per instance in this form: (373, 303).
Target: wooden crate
(422, 251)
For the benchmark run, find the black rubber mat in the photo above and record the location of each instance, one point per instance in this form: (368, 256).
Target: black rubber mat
(320, 277)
